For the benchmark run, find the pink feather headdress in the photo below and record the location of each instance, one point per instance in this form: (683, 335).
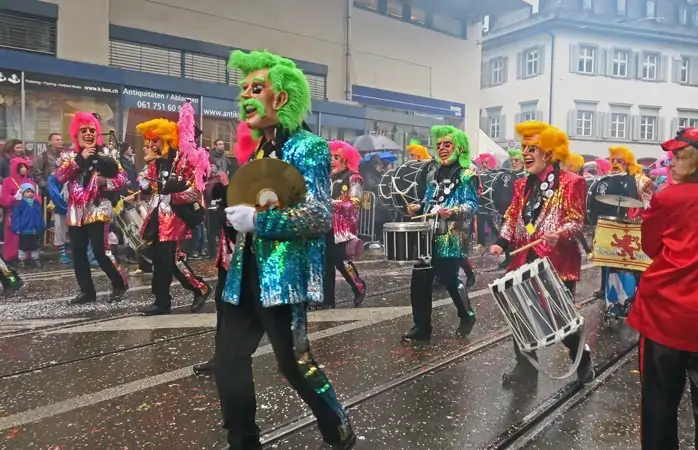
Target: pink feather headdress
(348, 152)
(488, 158)
(245, 144)
(196, 156)
(603, 165)
(80, 119)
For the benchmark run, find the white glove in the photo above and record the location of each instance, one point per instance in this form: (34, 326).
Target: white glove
(144, 184)
(18, 196)
(241, 218)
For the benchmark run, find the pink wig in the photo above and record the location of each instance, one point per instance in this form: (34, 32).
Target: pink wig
(245, 145)
(347, 152)
(604, 166)
(486, 158)
(80, 119)
(196, 156)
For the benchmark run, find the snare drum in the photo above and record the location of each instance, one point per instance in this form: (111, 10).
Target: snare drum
(618, 243)
(408, 241)
(537, 305)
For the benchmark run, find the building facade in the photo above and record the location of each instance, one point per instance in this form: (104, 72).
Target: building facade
(609, 72)
(375, 66)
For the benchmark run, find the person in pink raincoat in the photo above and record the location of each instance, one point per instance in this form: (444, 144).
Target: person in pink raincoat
(19, 174)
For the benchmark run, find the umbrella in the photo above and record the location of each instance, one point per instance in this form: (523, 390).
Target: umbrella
(385, 156)
(374, 142)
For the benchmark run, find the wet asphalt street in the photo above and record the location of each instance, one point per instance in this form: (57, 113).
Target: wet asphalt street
(100, 377)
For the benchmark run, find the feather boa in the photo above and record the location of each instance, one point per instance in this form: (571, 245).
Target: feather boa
(246, 144)
(195, 155)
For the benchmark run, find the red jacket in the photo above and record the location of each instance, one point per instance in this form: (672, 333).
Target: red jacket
(564, 212)
(666, 305)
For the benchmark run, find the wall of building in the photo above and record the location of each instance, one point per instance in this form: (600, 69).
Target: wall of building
(78, 41)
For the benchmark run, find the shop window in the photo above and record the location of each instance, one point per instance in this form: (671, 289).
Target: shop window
(10, 104)
(145, 58)
(52, 101)
(27, 33)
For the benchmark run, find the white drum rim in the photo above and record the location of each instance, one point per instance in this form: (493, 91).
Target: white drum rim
(406, 226)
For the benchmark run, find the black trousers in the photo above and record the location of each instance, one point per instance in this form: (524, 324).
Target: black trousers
(80, 239)
(168, 264)
(663, 372)
(422, 290)
(241, 329)
(336, 258)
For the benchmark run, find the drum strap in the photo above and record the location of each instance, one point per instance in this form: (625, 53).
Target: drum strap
(583, 335)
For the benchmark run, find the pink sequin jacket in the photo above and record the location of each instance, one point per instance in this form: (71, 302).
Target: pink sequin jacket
(347, 189)
(170, 226)
(88, 202)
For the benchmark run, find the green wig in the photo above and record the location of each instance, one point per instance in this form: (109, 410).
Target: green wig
(285, 76)
(515, 154)
(460, 140)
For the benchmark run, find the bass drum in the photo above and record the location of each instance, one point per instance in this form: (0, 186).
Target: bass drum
(496, 191)
(607, 185)
(410, 182)
(385, 190)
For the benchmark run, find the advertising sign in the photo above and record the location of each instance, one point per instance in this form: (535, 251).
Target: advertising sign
(137, 98)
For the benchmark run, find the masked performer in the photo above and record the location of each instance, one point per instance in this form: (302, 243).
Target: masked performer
(10, 280)
(278, 264)
(417, 151)
(174, 179)
(94, 175)
(347, 189)
(622, 162)
(516, 162)
(549, 204)
(452, 198)
(574, 163)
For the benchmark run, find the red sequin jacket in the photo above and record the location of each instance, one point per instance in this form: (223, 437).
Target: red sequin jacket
(563, 211)
(170, 227)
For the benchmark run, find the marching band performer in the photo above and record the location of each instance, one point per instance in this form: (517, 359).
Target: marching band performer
(174, 181)
(452, 198)
(574, 163)
(278, 263)
(93, 175)
(417, 151)
(623, 161)
(516, 161)
(10, 279)
(346, 190)
(549, 204)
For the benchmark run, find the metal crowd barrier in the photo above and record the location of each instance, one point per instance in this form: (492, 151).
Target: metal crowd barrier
(367, 218)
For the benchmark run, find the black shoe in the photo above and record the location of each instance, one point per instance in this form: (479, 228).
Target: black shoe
(117, 294)
(82, 299)
(200, 300)
(12, 290)
(470, 280)
(415, 336)
(195, 256)
(205, 368)
(359, 299)
(466, 326)
(153, 310)
(585, 371)
(524, 372)
(347, 443)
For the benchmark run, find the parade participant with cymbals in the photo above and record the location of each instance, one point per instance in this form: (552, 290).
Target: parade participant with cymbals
(278, 263)
(548, 205)
(451, 199)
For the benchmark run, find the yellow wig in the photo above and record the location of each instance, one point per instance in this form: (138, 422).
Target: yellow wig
(624, 153)
(574, 162)
(552, 139)
(530, 128)
(418, 151)
(160, 128)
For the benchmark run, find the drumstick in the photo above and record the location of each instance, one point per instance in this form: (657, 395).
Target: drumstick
(423, 216)
(532, 244)
(129, 197)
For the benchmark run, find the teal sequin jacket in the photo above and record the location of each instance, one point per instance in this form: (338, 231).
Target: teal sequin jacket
(462, 201)
(289, 244)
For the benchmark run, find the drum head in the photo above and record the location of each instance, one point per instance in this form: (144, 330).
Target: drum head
(410, 182)
(385, 190)
(497, 191)
(607, 185)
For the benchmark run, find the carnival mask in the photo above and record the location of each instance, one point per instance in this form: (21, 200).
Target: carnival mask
(338, 163)
(618, 165)
(87, 136)
(446, 150)
(155, 145)
(516, 164)
(259, 104)
(535, 159)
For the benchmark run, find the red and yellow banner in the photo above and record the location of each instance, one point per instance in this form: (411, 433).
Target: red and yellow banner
(619, 245)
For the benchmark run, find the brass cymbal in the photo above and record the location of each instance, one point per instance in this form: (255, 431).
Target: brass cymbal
(266, 182)
(619, 200)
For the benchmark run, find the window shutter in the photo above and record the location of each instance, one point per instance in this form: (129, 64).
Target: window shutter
(204, 68)
(636, 128)
(660, 129)
(574, 58)
(601, 60)
(539, 116)
(606, 126)
(663, 68)
(519, 66)
(517, 118)
(572, 123)
(693, 71)
(675, 69)
(27, 33)
(635, 70)
(317, 86)
(503, 127)
(145, 58)
(674, 126)
(483, 125)
(505, 70)
(609, 62)
(541, 60)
